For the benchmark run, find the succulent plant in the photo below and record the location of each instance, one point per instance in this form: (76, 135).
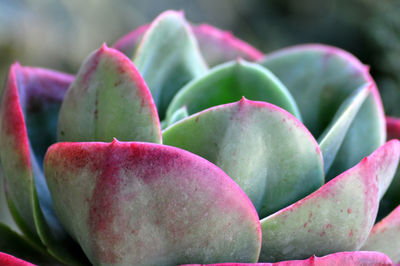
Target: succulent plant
(199, 149)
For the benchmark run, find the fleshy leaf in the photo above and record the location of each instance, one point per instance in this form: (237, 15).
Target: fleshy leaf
(217, 46)
(229, 83)
(8, 260)
(359, 258)
(108, 99)
(332, 138)
(168, 57)
(31, 93)
(178, 115)
(337, 217)
(130, 203)
(385, 236)
(320, 78)
(266, 150)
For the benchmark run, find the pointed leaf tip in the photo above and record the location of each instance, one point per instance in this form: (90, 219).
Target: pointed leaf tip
(216, 45)
(229, 82)
(168, 57)
(266, 150)
(108, 98)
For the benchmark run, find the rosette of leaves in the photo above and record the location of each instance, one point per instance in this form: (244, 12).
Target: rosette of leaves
(185, 145)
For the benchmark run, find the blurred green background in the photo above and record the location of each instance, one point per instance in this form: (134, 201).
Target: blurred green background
(60, 34)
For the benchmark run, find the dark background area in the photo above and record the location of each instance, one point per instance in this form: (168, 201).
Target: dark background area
(60, 34)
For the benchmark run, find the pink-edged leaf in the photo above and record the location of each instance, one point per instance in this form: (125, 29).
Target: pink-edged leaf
(359, 258)
(321, 78)
(131, 203)
(168, 57)
(263, 148)
(393, 127)
(337, 217)
(385, 236)
(217, 46)
(8, 260)
(108, 98)
(29, 108)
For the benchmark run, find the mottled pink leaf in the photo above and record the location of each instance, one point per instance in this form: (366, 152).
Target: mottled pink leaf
(109, 98)
(131, 203)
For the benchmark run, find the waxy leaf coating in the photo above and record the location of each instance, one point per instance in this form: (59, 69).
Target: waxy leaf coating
(360, 258)
(266, 150)
(385, 236)
(337, 217)
(332, 138)
(130, 203)
(168, 57)
(30, 94)
(230, 82)
(320, 78)
(216, 46)
(108, 99)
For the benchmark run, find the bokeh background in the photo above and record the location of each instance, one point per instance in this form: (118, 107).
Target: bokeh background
(59, 34)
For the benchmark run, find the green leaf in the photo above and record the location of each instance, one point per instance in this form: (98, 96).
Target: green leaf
(337, 217)
(228, 83)
(108, 99)
(178, 115)
(148, 204)
(332, 138)
(320, 78)
(168, 57)
(385, 236)
(217, 46)
(5, 214)
(263, 148)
